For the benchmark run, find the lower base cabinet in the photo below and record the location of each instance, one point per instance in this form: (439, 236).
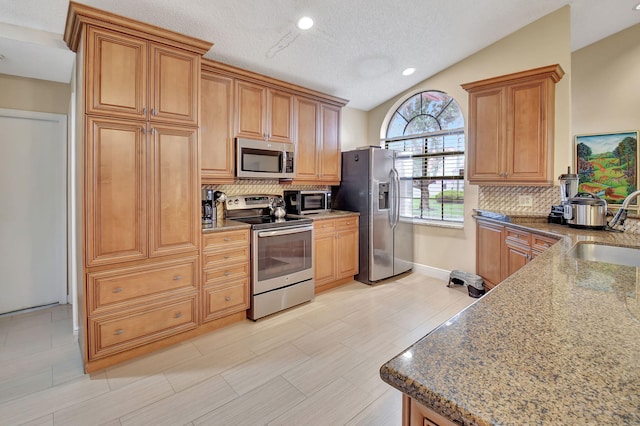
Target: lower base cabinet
(335, 251)
(502, 249)
(416, 414)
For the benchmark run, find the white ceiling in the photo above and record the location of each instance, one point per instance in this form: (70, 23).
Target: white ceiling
(357, 49)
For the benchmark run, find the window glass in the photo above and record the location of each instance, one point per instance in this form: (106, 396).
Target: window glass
(430, 126)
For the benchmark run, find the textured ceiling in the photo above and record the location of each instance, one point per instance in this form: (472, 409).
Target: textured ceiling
(357, 49)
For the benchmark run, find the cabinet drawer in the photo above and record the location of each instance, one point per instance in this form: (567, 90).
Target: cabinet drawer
(222, 258)
(224, 300)
(225, 274)
(118, 287)
(541, 243)
(324, 226)
(517, 236)
(126, 330)
(224, 240)
(347, 222)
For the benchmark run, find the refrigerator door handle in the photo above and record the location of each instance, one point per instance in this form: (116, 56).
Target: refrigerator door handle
(397, 198)
(391, 209)
(394, 211)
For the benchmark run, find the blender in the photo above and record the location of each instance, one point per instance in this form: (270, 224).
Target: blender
(568, 189)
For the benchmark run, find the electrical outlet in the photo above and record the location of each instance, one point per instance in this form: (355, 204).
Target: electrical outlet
(525, 201)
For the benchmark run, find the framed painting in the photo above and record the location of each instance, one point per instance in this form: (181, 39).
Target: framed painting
(607, 164)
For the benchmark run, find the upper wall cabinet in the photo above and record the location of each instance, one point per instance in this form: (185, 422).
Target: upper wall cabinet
(263, 113)
(119, 67)
(511, 128)
(216, 127)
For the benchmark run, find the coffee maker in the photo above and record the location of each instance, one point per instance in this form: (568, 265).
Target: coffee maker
(209, 211)
(568, 189)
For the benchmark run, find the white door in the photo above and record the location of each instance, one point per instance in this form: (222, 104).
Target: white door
(33, 241)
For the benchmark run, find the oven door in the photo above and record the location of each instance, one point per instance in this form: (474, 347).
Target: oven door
(281, 257)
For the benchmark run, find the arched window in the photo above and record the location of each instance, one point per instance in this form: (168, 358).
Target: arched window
(430, 126)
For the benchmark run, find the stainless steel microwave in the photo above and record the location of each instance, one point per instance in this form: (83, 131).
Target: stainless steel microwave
(303, 202)
(256, 159)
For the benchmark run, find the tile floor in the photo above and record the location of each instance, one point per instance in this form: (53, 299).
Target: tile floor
(316, 364)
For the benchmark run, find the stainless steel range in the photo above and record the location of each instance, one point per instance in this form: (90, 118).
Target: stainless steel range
(281, 255)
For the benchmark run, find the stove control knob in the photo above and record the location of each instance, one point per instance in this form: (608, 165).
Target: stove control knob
(236, 201)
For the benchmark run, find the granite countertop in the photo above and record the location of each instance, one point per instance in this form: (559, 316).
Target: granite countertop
(230, 224)
(558, 342)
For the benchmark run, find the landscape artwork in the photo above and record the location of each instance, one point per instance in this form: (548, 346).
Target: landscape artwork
(607, 164)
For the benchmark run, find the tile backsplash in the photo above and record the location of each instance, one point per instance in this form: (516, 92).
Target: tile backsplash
(260, 186)
(507, 198)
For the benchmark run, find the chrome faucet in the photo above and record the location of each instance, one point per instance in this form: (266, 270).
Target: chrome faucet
(621, 215)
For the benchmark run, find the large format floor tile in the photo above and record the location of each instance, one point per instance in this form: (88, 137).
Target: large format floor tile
(315, 364)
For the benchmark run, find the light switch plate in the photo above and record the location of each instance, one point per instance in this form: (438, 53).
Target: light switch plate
(525, 201)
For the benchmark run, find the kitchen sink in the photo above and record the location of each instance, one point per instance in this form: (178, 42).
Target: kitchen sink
(617, 255)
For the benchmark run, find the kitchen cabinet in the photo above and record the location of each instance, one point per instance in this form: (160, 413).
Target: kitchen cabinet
(263, 112)
(141, 191)
(317, 143)
(130, 77)
(216, 128)
(225, 273)
(511, 128)
(416, 414)
(137, 91)
(501, 250)
(335, 251)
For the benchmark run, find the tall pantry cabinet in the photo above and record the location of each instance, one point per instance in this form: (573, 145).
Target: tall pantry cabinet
(137, 103)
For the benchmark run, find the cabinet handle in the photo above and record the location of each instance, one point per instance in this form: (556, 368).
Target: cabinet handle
(226, 256)
(119, 332)
(178, 315)
(153, 111)
(144, 130)
(177, 278)
(228, 298)
(117, 290)
(506, 174)
(227, 273)
(144, 111)
(153, 130)
(227, 238)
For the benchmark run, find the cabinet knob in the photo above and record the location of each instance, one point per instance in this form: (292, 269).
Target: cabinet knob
(348, 223)
(506, 174)
(119, 332)
(178, 315)
(177, 278)
(228, 298)
(117, 290)
(226, 256)
(227, 273)
(227, 238)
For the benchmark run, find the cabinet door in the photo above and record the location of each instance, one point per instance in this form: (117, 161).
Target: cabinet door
(115, 214)
(216, 128)
(489, 252)
(175, 79)
(307, 141)
(486, 135)
(347, 253)
(116, 74)
(330, 160)
(324, 259)
(280, 115)
(516, 256)
(174, 191)
(527, 149)
(251, 103)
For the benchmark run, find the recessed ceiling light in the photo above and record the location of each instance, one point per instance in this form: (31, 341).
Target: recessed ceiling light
(408, 71)
(305, 23)
(637, 7)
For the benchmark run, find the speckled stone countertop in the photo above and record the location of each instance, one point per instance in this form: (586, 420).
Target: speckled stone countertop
(230, 224)
(558, 342)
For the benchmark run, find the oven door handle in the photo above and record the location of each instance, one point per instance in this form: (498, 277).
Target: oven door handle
(288, 231)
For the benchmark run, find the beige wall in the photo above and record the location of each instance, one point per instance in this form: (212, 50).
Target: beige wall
(29, 94)
(353, 129)
(606, 84)
(544, 42)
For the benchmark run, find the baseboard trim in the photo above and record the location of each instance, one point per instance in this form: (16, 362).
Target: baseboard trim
(430, 271)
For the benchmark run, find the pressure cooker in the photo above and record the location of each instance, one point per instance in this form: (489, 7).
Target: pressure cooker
(586, 210)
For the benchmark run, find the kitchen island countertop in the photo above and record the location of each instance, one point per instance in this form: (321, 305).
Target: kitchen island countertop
(558, 342)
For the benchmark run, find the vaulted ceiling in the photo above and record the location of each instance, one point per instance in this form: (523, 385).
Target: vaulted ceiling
(356, 50)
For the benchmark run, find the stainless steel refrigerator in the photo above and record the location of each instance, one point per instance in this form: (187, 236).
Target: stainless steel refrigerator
(371, 185)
